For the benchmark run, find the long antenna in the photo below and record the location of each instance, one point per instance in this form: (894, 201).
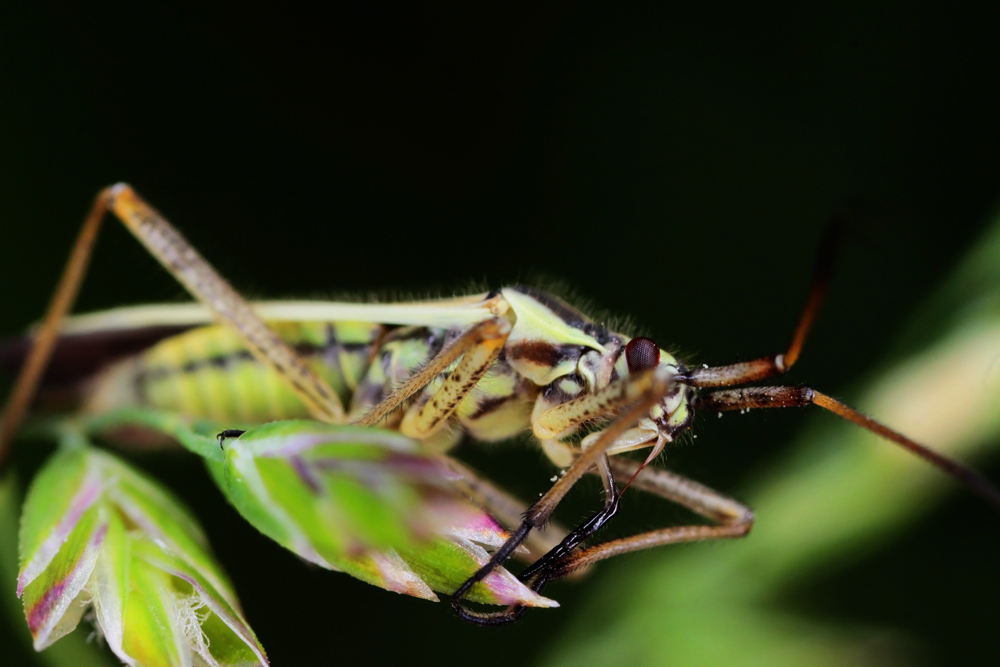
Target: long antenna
(754, 398)
(966, 476)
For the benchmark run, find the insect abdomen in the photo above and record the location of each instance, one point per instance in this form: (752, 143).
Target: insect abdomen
(208, 372)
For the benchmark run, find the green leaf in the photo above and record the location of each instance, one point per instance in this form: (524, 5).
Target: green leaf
(228, 649)
(319, 490)
(50, 600)
(152, 637)
(162, 516)
(367, 502)
(110, 585)
(124, 543)
(445, 564)
(72, 649)
(64, 489)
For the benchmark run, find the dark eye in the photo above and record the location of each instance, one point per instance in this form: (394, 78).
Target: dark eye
(641, 354)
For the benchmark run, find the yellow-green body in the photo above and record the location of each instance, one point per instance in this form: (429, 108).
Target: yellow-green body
(553, 354)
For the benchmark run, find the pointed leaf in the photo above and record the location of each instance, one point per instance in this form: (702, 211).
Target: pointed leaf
(51, 595)
(328, 492)
(162, 516)
(62, 491)
(246, 491)
(109, 586)
(366, 502)
(211, 598)
(445, 564)
(118, 540)
(152, 636)
(225, 647)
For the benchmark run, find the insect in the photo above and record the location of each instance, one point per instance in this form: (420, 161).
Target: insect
(488, 365)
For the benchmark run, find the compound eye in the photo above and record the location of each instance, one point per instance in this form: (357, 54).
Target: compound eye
(642, 354)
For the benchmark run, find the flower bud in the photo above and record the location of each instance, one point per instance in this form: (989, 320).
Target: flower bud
(95, 533)
(367, 502)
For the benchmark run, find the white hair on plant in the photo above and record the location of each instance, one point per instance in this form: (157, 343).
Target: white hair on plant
(190, 613)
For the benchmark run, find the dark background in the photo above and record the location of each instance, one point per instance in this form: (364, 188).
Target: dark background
(672, 165)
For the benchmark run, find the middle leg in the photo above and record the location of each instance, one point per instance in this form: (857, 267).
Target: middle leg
(477, 348)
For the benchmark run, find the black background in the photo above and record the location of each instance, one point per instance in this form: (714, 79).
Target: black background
(675, 165)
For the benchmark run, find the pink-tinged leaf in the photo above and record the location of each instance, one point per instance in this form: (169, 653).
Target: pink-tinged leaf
(125, 545)
(241, 483)
(324, 516)
(290, 437)
(385, 569)
(398, 577)
(66, 487)
(369, 503)
(210, 597)
(445, 563)
(49, 597)
(161, 516)
(460, 518)
(129, 482)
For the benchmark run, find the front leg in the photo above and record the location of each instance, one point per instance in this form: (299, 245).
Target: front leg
(563, 419)
(650, 386)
